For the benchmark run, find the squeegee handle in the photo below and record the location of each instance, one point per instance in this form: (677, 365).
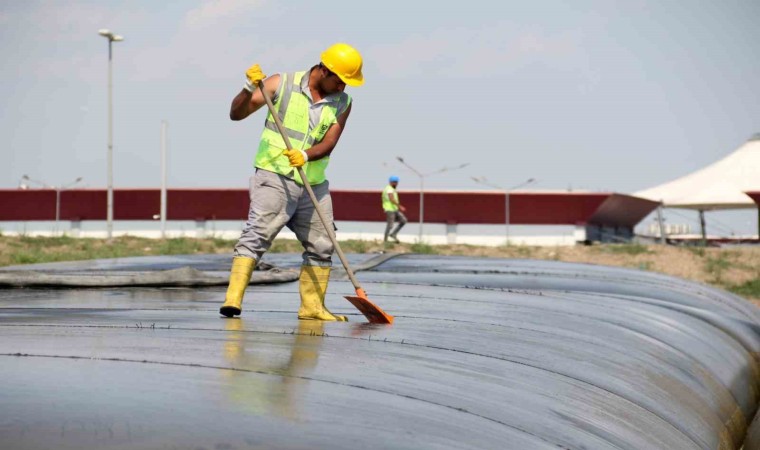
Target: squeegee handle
(328, 226)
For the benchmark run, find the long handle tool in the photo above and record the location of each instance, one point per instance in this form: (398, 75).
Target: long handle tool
(371, 311)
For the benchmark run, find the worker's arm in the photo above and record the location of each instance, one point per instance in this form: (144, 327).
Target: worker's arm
(328, 143)
(324, 147)
(394, 199)
(248, 101)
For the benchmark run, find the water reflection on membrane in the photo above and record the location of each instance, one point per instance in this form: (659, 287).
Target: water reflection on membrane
(262, 385)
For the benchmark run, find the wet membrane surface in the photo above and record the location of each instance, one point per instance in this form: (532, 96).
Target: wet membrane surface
(484, 353)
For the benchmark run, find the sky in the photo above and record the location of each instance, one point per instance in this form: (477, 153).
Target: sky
(599, 95)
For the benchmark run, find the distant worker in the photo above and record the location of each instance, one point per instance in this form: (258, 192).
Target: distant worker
(314, 110)
(394, 211)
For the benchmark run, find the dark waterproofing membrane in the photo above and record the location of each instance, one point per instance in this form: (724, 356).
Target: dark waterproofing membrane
(484, 353)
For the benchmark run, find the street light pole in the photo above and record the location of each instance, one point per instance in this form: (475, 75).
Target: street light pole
(41, 183)
(109, 202)
(422, 197)
(422, 187)
(45, 186)
(58, 190)
(163, 179)
(484, 181)
(422, 207)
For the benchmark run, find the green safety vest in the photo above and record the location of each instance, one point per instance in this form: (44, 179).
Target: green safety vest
(305, 124)
(387, 204)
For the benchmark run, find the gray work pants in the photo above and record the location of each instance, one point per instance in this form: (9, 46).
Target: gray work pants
(278, 201)
(391, 217)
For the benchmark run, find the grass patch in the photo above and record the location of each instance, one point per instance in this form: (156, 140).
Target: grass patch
(716, 267)
(178, 246)
(25, 258)
(423, 248)
(696, 251)
(749, 288)
(626, 249)
(355, 246)
(35, 250)
(522, 251)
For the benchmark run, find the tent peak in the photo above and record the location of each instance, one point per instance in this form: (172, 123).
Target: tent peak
(720, 185)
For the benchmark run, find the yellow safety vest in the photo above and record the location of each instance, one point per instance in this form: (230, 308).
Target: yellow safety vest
(305, 123)
(388, 205)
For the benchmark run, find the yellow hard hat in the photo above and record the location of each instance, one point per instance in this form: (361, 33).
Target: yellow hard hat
(345, 62)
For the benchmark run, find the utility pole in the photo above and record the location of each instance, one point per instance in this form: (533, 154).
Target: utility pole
(109, 196)
(507, 192)
(163, 178)
(422, 187)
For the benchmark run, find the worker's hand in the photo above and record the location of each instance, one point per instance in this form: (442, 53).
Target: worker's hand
(297, 157)
(401, 208)
(254, 76)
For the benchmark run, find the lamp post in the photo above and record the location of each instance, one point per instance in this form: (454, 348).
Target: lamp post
(163, 179)
(32, 180)
(484, 181)
(422, 186)
(109, 202)
(58, 190)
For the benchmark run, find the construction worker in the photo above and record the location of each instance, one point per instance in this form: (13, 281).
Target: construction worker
(314, 110)
(394, 211)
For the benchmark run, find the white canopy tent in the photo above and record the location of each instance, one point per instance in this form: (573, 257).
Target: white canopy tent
(719, 186)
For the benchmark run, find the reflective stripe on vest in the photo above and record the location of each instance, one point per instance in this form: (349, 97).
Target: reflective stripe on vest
(305, 124)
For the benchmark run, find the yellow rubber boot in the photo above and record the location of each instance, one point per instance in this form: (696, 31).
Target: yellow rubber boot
(240, 276)
(313, 286)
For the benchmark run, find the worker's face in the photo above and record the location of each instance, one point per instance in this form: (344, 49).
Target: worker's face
(331, 83)
(394, 184)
